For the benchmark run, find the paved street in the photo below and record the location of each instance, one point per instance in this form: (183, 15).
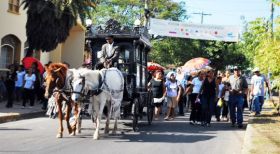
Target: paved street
(165, 137)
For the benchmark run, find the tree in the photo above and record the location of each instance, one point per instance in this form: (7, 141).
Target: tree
(179, 50)
(252, 38)
(127, 11)
(261, 48)
(49, 22)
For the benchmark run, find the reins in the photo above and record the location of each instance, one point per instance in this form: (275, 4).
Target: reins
(62, 91)
(91, 92)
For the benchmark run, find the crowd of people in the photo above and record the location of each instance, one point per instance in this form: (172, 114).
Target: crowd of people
(207, 93)
(25, 85)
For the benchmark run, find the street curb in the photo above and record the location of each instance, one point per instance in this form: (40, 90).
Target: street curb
(247, 143)
(17, 116)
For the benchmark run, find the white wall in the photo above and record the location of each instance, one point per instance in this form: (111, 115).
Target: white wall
(73, 49)
(12, 23)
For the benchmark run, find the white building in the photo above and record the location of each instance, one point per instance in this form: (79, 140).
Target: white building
(13, 39)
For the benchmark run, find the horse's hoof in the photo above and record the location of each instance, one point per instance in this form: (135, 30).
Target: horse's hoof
(73, 134)
(78, 131)
(95, 137)
(59, 135)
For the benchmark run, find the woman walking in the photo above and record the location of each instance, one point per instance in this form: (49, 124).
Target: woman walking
(225, 106)
(219, 101)
(10, 86)
(173, 92)
(19, 82)
(188, 91)
(195, 116)
(208, 98)
(28, 91)
(157, 86)
(180, 76)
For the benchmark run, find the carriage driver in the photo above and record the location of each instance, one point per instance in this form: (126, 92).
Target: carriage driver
(109, 54)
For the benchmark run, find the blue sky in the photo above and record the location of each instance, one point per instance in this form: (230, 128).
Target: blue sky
(227, 12)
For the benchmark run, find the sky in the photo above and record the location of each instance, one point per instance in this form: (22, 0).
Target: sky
(227, 12)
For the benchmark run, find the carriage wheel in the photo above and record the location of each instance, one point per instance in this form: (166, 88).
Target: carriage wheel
(135, 114)
(150, 110)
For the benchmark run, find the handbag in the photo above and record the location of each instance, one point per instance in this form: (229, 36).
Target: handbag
(220, 102)
(159, 100)
(197, 100)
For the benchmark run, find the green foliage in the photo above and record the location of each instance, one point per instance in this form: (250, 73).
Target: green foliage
(179, 50)
(256, 33)
(262, 48)
(127, 11)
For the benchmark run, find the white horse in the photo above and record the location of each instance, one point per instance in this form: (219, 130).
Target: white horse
(109, 85)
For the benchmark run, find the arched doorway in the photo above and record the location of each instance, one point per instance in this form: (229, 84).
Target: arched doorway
(10, 50)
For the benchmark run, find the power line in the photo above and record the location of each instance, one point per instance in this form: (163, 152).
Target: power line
(202, 15)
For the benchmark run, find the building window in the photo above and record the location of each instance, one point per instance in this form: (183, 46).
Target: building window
(7, 56)
(10, 50)
(14, 6)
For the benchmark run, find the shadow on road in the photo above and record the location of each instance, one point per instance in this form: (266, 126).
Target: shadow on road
(176, 131)
(169, 138)
(5, 128)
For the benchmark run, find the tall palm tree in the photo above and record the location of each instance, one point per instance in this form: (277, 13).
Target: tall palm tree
(49, 21)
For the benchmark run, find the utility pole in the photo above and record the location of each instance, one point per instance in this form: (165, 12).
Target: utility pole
(147, 14)
(271, 18)
(202, 15)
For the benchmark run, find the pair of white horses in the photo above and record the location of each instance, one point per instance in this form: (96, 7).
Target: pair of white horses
(109, 83)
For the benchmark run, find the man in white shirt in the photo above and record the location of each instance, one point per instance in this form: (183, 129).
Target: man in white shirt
(257, 90)
(109, 53)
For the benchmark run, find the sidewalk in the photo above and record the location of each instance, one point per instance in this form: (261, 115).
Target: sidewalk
(263, 132)
(17, 113)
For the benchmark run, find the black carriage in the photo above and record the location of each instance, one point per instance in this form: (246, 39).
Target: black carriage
(134, 46)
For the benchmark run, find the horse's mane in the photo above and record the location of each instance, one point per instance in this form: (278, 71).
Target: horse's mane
(57, 66)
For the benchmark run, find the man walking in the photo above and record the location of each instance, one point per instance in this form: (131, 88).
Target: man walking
(257, 90)
(239, 88)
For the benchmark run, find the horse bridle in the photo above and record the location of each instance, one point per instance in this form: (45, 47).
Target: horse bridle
(83, 91)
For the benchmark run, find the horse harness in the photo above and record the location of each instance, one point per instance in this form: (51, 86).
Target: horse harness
(64, 91)
(101, 86)
(106, 87)
(88, 93)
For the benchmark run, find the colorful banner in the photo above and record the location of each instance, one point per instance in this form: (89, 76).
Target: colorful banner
(194, 31)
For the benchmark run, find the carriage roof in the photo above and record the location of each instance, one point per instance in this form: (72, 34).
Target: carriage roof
(120, 33)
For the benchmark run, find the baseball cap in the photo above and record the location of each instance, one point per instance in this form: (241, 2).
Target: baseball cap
(235, 68)
(256, 69)
(170, 73)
